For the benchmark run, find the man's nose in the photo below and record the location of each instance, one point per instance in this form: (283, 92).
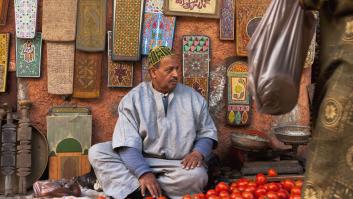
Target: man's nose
(175, 73)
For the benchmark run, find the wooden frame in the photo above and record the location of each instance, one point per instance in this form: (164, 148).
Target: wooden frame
(171, 8)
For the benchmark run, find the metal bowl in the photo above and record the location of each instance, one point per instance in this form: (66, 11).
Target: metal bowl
(292, 134)
(249, 142)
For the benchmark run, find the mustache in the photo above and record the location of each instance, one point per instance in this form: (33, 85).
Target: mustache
(174, 79)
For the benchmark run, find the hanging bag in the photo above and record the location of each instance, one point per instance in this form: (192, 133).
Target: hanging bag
(277, 51)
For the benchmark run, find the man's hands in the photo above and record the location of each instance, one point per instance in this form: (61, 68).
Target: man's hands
(192, 160)
(149, 181)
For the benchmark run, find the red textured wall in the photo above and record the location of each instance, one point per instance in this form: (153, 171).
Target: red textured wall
(103, 108)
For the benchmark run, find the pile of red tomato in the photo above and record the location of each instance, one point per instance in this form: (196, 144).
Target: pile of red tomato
(254, 189)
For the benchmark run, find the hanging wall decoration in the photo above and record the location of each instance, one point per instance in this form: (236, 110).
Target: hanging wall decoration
(4, 6)
(127, 25)
(91, 25)
(59, 20)
(60, 65)
(120, 74)
(248, 16)
(196, 59)
(26, 18)
(145, 74)
(158, 30)
(227, 20)
(28, 56)
(87, 75)
(196, 8)
(4, 57)
(239, 100)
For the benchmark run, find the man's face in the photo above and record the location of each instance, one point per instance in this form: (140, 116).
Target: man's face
(165, 77)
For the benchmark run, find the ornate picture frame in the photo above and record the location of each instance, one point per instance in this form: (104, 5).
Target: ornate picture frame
(196, 8)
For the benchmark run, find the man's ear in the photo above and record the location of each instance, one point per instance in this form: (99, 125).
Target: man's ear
(152, 72)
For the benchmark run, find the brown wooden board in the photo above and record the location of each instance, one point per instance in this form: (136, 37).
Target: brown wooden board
(87, 75)
(68, 165)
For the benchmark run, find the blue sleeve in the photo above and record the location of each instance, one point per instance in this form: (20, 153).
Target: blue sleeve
(134, 161)
(204, 146)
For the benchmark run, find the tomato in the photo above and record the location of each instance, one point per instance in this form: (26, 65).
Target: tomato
(236, 195)
(280, 186)
(242, 183)
(262, 197)
(162, 197)
(222, 186)
(260, 179)
(250, 189)
(184, 197)
(214, 197)
(272, 172)
(266, 186)
(272, 195)
(296, 191)
(233, 189)
(198, 196)
(241, 187)
(283, 194)
(211, 192)
(273, 187)
(295, 197)
(260, 191)
(247, 195)
(251, 183)
(223, 194)
(243, 180)
(201, 196)
(101, 197)
(299, 183)
(287, 184)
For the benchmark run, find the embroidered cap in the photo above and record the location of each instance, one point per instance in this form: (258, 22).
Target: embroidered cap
(157, 53)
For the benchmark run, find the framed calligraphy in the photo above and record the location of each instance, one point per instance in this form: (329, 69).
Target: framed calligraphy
(193, 8)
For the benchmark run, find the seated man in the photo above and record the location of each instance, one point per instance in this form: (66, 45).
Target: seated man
(163, 134)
